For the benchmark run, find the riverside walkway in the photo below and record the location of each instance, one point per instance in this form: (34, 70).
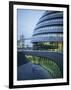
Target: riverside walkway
(55, 56)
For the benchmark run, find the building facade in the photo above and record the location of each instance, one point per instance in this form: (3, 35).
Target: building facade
(48, 33)
(48, 36)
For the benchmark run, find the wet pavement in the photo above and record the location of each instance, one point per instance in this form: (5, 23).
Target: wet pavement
(31, 71)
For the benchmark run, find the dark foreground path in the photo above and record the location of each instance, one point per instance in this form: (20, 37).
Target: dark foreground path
(29, 71)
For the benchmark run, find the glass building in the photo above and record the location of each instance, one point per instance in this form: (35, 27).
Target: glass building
(48, 33)
(48, 36)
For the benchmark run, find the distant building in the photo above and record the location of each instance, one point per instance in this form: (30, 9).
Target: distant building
(20, 42)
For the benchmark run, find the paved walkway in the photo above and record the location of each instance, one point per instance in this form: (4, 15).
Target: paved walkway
(31, 71)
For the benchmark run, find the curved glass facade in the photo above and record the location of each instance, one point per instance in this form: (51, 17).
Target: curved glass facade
(49, 29)
(48, 35)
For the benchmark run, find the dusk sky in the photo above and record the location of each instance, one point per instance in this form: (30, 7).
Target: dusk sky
(26, 22)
